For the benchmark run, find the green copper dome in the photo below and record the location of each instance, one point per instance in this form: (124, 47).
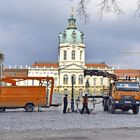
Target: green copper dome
(71, 34)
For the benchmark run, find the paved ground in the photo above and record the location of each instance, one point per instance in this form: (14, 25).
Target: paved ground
(74, 134)
(53, 118)
(52, 124)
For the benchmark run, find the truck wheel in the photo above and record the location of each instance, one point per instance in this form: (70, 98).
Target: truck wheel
(136, 110)
(29, 107)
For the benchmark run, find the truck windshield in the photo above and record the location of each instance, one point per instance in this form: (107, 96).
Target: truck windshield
(125, 86)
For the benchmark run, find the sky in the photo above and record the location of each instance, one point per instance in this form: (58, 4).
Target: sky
(29, 32)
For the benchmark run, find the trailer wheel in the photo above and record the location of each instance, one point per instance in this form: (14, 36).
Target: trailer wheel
(29, 107)
(105, 106)
(125, 109)
(111, 109)
(135, 110)
(2, 109)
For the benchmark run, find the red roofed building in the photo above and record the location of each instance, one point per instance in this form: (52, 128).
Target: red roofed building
(123, 73)
(97, 66)
(54, 65)
(15, 72)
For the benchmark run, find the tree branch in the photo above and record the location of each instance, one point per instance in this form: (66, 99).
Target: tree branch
(137, 12)
(82, 10)
(106, 6)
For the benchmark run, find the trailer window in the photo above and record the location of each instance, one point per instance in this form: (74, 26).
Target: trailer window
(124, 86)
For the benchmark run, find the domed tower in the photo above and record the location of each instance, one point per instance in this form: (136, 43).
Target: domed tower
(71, 47)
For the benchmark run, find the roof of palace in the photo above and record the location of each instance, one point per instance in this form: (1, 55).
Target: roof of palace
(97, 65)
(127, 72)
(56, 65)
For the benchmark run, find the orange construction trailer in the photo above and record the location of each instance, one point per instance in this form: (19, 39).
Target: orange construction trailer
(14, 95)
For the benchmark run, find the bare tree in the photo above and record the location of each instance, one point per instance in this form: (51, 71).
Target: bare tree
(1, 57)
(82, 10)
(105, 6)
(137, 12)
(1, 66)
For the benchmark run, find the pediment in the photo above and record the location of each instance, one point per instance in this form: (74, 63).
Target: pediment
(72, 67)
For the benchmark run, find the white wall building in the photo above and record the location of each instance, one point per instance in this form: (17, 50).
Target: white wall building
(71, 62)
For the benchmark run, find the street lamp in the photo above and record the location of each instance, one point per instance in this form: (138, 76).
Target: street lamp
(72, 94)
(87, 86)
(47, 92)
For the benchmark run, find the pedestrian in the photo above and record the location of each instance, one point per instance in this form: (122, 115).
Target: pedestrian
(85, 104)
(65, 101)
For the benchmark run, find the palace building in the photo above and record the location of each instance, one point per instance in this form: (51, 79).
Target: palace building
(71, 63)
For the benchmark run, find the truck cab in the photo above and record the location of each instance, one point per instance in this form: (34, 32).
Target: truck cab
(123, 95)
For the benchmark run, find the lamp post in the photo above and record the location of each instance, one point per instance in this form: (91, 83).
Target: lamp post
(87, 86)
(47, 92)
(72, 94)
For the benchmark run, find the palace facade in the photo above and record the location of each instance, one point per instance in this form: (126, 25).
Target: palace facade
(71, 63)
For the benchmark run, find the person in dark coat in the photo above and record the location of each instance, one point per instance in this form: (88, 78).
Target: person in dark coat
(65, 101)
(85, 104)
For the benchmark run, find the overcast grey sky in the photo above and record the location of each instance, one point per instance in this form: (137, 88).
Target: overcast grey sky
(29, 32)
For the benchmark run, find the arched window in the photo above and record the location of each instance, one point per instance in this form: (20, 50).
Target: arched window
(73, 77)
(65, 91)
(94, 81)
(80, 92)
(55, 81)
(87, 84)
(73, 55)
(65, 55)
(65, 79)
(80, 79)
(101, 82)
(81, 55)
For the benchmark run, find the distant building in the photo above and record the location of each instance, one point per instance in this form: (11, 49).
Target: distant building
(15, 72)
(128, 73)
